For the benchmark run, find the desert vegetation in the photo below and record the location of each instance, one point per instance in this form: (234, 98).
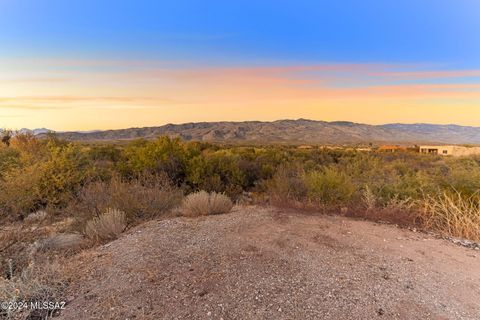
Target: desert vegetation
(107, 226)
(202, 203)
(52, 180)
(59, 197)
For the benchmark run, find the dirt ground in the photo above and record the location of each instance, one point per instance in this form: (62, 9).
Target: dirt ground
(266, 263)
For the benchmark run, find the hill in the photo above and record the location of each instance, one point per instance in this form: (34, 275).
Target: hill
(293, 131)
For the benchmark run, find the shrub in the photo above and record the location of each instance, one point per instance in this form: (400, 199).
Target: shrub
(83, 180)
(30, 148)
(20, 193)
(63, 174)
(329, 186)
(9, 159)
(462, 175)
(369, 198)
(398, 204)
(107, 226)
(452, 214)
(287, 185)
(196, 204)
(164, 155)
(219, 203)
(202, 203)
(34, 283)
(140, 198)
(53, 181)
(217, 171)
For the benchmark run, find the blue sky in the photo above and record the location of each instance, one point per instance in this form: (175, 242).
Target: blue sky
(67, 64)
(427, 31)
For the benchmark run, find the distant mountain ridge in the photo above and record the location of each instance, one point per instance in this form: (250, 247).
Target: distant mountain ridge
(301, 131)
(35, 132)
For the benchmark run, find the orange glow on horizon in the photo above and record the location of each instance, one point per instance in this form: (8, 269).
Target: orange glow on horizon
(119, 95)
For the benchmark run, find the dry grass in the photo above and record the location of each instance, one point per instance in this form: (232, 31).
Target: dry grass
(196, 204)
(14, 250)
(219, 203)
(202, 203)
(453, 215)
(397, 210)
(107, 226)
(9, 236)
(36, 284)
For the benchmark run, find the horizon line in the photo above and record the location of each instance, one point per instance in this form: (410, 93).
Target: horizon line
(233, 121)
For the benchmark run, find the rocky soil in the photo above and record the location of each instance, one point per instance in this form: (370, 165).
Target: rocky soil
(264, 263)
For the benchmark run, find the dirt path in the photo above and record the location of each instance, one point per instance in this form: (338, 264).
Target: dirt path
(264, 263)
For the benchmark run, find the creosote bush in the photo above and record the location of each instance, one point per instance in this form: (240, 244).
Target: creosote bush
(203, 203)
(107, 226)
(140, 198)
(329, 187)
(146, 179)
(287, 186)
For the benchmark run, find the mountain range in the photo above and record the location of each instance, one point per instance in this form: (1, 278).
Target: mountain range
(301, 131)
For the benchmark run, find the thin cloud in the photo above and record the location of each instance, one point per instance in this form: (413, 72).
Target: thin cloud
(440, 74)
(159, 86)
(35, 80)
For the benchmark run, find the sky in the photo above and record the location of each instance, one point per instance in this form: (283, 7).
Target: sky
(86, 65)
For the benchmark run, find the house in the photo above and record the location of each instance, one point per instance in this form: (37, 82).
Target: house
(392, 148)
(456, 151)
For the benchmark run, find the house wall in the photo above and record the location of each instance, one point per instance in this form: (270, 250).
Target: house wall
(456, 151)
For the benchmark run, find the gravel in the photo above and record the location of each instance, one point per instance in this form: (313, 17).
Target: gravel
(266, 263)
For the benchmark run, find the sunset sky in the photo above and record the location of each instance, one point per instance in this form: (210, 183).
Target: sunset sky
(84, 65)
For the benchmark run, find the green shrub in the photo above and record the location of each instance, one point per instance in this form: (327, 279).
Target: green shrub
(52, 180)
(20, 192)
(216, 172)
(9, 159)
(63, 174)
(329, 186)
(462, 175)
(164, 155)
(83, 180)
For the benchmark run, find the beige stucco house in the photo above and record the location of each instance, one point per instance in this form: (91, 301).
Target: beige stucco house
(450, 150)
